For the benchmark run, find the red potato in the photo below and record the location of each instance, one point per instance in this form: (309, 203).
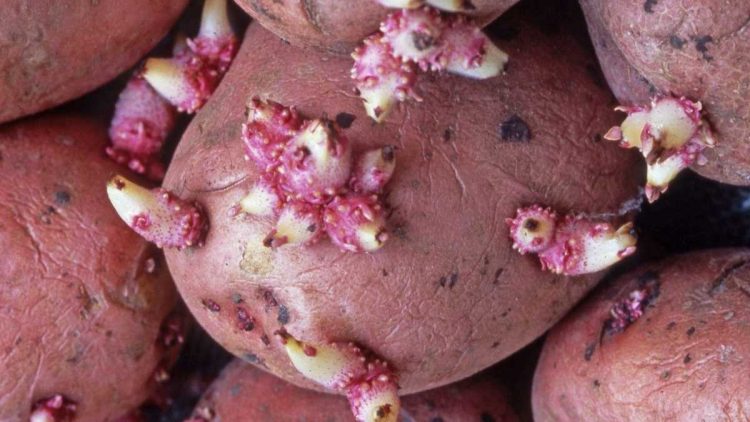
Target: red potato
(681, 356)
(446, 296)
(84, 301)
(54, 52)
(244, 393)
(697, 49)
(338, 26)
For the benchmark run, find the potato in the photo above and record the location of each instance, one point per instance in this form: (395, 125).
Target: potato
(684, 359)
(446, 296)
(698, 49)
(245, 393)
(83, 298)
(53, 52)
(335, 25)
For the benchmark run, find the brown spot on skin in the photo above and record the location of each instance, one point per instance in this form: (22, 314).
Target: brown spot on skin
(345, 120)
(648, 6)
(494, 345)
(687, 359)
(597, 384)
(671, 325)
(690, 331)
(666, 375)
(514, 129)
(266, 341)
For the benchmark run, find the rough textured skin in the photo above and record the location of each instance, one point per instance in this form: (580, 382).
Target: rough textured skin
(79, 310)
(336, 25)
(244, 393)
(56, 51)
(699, 49)
(691, 344)
(467, 158)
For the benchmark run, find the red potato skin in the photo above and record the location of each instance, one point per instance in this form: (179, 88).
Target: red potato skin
(245, 393)
(53, 52)
(666, 42)
(338, 26)
(446, 296)
(80, 312)
(692, 345)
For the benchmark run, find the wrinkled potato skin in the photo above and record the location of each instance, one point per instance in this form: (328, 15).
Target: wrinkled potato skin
(446, 296)
(335, 25)
(665, 45)
(54, 51)
(686, 359)
(245, 393)
(79, 314)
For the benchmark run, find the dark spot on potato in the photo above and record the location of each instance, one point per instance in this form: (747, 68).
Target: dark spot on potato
(719, 283)
(597, 138)
(422, 41)
(589, 352)
(690, 331)
(264, 338)
(436, 419)
(665, 375)
(283, 316)
(687, 359)
(244, 321)
(235, 390)
(597, 384)
(677, 42)
(345, 120)
(701, 44)
(236, 298)
(211, 305)
(252, 358)
(531, 224)
(269, 299)
(494, 345)
(447, 134)
(671, 325)
(62, 197)
(486, 417)
(505, 313)
(385, 272)
(449, 280)
(498, 274)
(399, 231)
(514, 129)
(648, 6)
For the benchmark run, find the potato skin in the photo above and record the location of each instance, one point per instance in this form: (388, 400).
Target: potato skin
(446, 296)
(338, 26)
(692, 345)
(245, 393)
(80, 312)
(53, 52)
(699, 49)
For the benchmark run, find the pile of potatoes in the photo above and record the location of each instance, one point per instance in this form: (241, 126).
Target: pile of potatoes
(373, 210)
